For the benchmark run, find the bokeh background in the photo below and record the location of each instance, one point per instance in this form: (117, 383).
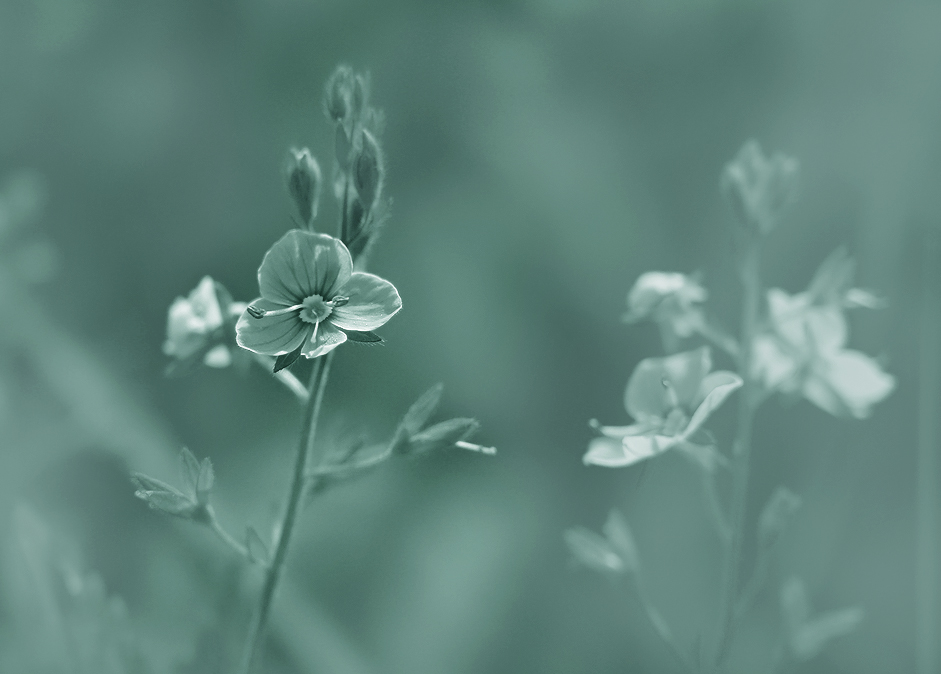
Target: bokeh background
(542, 154)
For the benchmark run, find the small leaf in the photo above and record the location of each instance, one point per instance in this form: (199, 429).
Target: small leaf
(164, 498)
(287, 359)
(442, 435)
(621, 539)
(205, 481)
(776, 515)
(811, 638)
(189, 470)
(593, 551)
(363, 337)
(422, 409)
(256, 548)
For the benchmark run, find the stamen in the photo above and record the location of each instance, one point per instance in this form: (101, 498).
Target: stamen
(313, 337)
(255, 312)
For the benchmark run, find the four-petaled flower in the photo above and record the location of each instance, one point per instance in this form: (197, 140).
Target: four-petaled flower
(802, 352)
(670, 299)
(196, 324)
(311, 297)
(670, 399)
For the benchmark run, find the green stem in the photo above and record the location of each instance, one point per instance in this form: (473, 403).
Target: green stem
(224, 535)
(927, 655)
(660, 624)
(747, 404)
(295, 496)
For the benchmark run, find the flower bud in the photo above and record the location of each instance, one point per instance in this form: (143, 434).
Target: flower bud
(759, 188)
(338, 94)
(303, 181)
(368, 170)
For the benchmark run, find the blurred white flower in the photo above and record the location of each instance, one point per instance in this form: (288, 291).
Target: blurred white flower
(670, 299)
(803, 351)
(196, 324)
(670, 399)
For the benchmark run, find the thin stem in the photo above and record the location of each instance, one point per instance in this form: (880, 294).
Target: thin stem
(714, 508)
(660, 624)
(286, 377)
(224, 535)
(751, 281)
(927, 655)
(295, 496)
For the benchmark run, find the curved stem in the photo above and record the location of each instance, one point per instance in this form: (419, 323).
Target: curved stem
(747, 405)
(660, 625)
(224, 535)
(295, 496)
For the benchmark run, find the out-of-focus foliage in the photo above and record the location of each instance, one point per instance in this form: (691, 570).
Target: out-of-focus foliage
(542, 154)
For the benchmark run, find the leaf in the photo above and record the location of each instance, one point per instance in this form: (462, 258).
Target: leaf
(287, 359)
(363, 337)
(442, 435)
(164, 498)
(776, 515)
(256, 548)
(593, 551)
(619, 535)
(422, 409)
(205, 481)
(811, 638)
(189, 470)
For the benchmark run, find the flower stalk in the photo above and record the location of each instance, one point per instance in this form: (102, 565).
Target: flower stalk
(305, 447)
(928, 654)
(741, 449)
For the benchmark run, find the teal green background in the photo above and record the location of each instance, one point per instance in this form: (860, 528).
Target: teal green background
(541, 155)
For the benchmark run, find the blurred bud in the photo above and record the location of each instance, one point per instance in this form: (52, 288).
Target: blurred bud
(304, 181)
(164, 498)
(760, 188)
(807, 636)
(593, 551)
(368, 170)
(338, 94)
(670, 299)
(619, 535)
(192, 320)
(777, 514)
(443, 435)
(360, 95)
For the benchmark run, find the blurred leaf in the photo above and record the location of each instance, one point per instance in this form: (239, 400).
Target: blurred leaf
(189, 470)
(422, 409)
(619, 535)
(593, 551)
(776, 515)
(442, 435)
(205, 481)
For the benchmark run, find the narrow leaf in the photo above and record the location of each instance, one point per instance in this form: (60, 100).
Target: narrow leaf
(287, 359)
(776, 515)
(205, 481)
(811, 638)
(593, 551)
(363, 337)
(442, 435)
(256, 548)
(189, 470)
(422, 409)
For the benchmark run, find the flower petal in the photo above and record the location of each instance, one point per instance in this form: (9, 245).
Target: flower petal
(715, 388)
(658, 385)
(270, 335)
(326, 339)
(302, 264)
(372, 302)
(611, 453)
(848, 382)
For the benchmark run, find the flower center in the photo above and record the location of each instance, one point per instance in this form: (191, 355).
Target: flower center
(315, 309)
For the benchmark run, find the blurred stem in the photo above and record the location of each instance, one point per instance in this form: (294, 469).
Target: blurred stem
(274, 571)
(927, 658)
(224, 535)
(741, 449)
(718, 338)
(714, 507)
(659, 623)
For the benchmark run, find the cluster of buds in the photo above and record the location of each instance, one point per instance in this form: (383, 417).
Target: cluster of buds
(360, 165)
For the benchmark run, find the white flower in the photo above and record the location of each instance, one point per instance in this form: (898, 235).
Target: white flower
(669, 299)
(196, 325)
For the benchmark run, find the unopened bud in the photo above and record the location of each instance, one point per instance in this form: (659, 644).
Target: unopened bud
(338, 94)
(759, 188)
(304, 180)
(368, 170)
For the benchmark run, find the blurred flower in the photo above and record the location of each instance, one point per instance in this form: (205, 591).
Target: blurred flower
(669, 299)
(760, 188)
(802, 352)
(614, 552)
(670, 399)
(311, 298)
(196, 324)
(806, 636)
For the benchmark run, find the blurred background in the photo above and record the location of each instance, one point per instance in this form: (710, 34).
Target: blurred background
(542, 154)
